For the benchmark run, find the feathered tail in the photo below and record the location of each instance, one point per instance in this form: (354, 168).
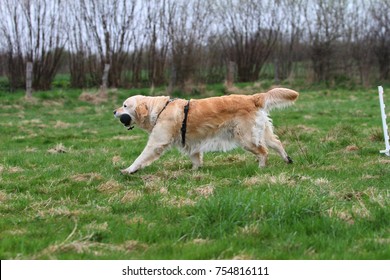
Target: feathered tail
(275, 98)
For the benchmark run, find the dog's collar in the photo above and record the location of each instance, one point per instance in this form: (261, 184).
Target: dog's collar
(184, 124)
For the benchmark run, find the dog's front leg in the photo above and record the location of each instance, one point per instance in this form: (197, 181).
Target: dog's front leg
(148, 155)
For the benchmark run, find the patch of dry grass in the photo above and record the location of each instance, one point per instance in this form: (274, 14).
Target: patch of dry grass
(94, 226)
(341, 214)
(117, 160)
(352, 148)
(60, 211)
(15, 169)
(109, 187)
(3, 196)
(267, 179)
(251, 229)
(130, 196)
(127, 137)
(203, 191)
(61, 124)
(243, 257)
(134, 220)
(178, 201)
(94, 98)
(87, 177)
(86, 246)
(200, 241)
(58, 149)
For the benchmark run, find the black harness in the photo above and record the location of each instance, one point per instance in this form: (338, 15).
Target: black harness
(166, 104)
(184, 123)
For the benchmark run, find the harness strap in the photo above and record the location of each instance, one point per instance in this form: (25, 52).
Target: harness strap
(165, 106)
(184, 124)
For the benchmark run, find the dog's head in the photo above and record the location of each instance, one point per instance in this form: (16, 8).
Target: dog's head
(139, 110)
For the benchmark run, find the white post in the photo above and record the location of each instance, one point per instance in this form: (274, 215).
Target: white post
(105, 77)
(384, 123)
(29, 70)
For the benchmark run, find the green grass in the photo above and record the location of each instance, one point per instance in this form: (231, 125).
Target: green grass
(62, 195)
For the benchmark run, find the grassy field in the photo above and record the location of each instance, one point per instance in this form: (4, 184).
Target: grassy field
(62, 195)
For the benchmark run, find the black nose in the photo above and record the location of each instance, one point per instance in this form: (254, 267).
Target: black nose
(114, 112)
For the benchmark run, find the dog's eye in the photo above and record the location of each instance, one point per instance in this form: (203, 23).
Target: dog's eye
(124, 105)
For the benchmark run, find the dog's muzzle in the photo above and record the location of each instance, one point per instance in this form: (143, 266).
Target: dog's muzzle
(126, 120)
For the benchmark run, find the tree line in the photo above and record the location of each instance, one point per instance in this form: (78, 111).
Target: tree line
(185, 42)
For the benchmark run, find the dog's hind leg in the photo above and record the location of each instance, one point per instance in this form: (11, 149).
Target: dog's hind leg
(260, 151)
(272, 141)
(197, 160)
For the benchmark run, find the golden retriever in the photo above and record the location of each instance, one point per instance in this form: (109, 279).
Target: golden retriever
(202, 125)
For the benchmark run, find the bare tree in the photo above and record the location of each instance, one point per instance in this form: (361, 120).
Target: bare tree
(33, 31)
(289, 44)
(325, 21)
(188, 30)
(359, 37)
(250, 29)
(380, 12)
(109, 33)
(79, 51)
(158, 15)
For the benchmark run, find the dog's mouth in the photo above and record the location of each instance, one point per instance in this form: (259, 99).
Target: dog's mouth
(126, 121)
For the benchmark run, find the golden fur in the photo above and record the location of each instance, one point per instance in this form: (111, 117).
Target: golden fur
(213, 124)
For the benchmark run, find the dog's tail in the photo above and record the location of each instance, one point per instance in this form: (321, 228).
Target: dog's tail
(275, 98)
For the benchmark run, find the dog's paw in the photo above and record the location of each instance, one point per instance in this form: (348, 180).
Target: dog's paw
(128, 171)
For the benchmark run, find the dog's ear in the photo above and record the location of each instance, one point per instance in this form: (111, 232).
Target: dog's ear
(141, 112)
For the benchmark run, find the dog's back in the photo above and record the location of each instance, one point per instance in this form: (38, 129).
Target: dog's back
(216, 123)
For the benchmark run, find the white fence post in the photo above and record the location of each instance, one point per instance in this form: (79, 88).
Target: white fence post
(384, 123)
(29, 70)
